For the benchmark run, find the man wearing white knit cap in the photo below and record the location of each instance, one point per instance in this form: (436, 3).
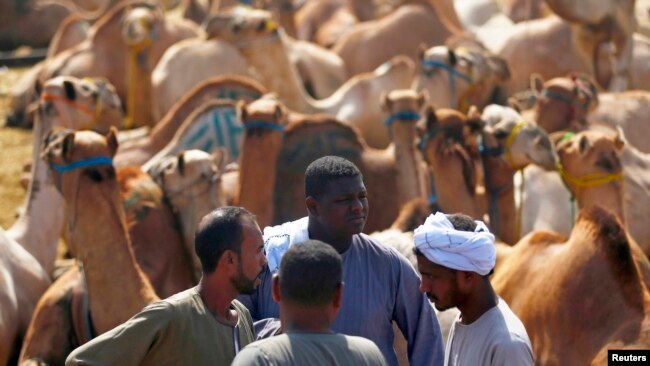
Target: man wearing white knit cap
(455, 256)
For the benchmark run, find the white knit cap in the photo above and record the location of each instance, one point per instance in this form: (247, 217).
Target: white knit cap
(461, 250)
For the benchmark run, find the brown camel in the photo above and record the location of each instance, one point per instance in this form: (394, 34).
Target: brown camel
(191, 182)
(572, 103)
(68, 102)
(353, 103)
(447, 153)
(22, 282)
(596, 22)
(139, 151)
(305, 139)
(89, 191)
(135, 34)
(559, 286)
(598, 168)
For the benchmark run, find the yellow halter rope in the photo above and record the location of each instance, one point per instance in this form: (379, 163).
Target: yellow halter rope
(589, 180)
(511, 140)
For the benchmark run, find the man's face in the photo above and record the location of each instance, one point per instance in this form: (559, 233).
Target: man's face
(439, 283)
(343, 207)
(251, 259)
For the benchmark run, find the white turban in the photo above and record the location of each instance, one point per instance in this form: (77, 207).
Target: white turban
(461, 250)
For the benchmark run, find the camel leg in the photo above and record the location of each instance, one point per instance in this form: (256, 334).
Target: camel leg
(50, 333)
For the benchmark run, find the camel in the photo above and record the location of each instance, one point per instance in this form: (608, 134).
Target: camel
(596, 22)
(570, 103)
(324, 22)
(139, 151)
(191, 182)
(461, 77)
(521, 10)
(557, 286)
(22, 280)
(353, 103)
(593, 163)
(89, 191)
(445, 149)
(372, 43)
(23, 96)
(39, 226)
(509, 143)
(126, 33)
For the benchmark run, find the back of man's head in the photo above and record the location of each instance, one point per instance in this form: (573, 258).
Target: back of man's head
(326, 169)
(218, 231)
(310, 272)
(462, 222)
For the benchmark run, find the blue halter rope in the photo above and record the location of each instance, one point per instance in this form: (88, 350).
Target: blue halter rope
(453, 74)
(97, 160)
(264, 125)
(406, 116)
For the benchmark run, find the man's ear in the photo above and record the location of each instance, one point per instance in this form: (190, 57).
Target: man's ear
(312, 206)
(275, 288)
(228, 259)
(337, 297)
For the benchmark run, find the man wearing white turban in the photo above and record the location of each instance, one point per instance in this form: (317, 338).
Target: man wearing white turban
(455, 256)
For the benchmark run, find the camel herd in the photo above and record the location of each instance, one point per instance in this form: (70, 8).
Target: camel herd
(527, 114)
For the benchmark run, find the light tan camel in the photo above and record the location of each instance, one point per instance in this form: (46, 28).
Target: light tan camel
(191, 182)
(509, 143)
(139, 151)
(570, 103)
(371, 43)
(305, 139)
(558, 286)
(353, 103)
(110, 270)
(122, 48)
(38, 227)
(324, 22)
(460, 77)
(22, 281)
(599, 169)
(596, 22)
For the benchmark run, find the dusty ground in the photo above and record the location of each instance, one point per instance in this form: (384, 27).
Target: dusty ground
(15, 150)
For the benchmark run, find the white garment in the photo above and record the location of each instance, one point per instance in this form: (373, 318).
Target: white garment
(461, 250)
(279, 238)
(498, 337)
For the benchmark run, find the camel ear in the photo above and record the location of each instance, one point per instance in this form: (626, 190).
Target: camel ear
(451, 56)
(70, 92)
(220, 158)
(474, 121)
(38, 87)
(241, 110)
(180, 163)
(536, 83)
(431, 117)
(584, 144)
(215, 25)
(279, 112)
(423, 98)
(500, 68)
(618, 142)
(385, 102)
(473, 113)
(111, 140)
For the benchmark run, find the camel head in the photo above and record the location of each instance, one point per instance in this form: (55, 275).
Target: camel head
(242, 26)
(563, 103)
(403, 106)
(521, 142)
(589, 158)
(263, 116)
(191, 182)
(78, 104)
(140, 25)
(459, 78)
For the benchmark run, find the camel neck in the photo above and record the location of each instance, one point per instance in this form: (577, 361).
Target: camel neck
(38, 227)
(110, 268)
(410, 182)
(500, 193)
(609, 196)
(451, 187)
(257, 169)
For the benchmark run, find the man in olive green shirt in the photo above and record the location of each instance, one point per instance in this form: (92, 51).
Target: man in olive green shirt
(204, 325)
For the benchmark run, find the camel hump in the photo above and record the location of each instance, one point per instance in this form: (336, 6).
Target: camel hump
(233, 87)
(609, 236)
(310, 139)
